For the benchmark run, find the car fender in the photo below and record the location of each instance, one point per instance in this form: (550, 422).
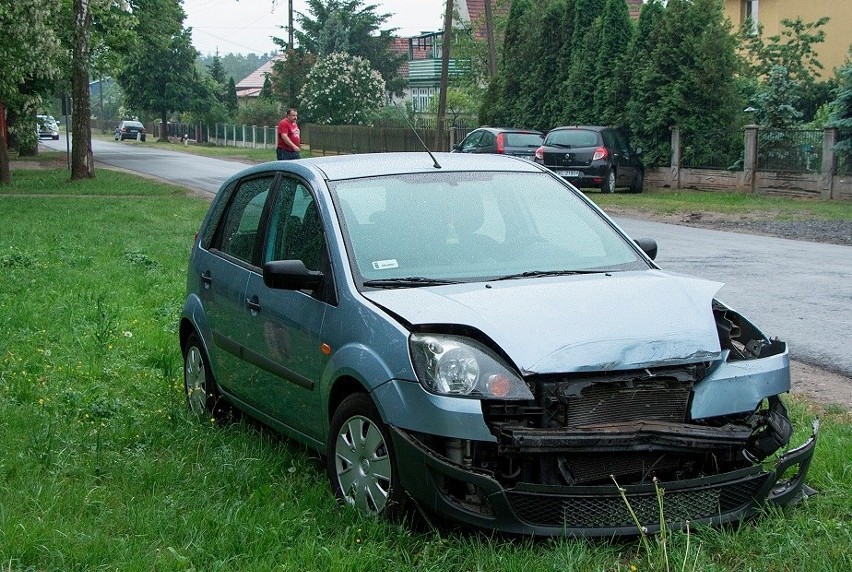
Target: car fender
(194, 315)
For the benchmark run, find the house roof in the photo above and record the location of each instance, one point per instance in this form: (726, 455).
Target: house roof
(251, 85)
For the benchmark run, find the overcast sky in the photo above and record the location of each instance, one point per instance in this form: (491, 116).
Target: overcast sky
(244, 26)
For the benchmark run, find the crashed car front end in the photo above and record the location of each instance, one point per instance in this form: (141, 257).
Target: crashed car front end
(590, 453)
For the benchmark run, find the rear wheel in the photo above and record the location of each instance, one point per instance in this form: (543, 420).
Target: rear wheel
(360, 459)
(608, 185)
(202, 393)
(638, 182)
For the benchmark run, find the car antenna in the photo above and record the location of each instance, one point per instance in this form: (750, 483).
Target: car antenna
(434, 160)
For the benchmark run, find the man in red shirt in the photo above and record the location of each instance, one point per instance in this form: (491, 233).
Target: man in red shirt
(288, 136)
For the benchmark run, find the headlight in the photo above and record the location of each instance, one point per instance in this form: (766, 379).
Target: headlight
(453, 365)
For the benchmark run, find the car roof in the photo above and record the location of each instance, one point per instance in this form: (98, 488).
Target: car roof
(507, 130)
(340, 167)
(587, 127)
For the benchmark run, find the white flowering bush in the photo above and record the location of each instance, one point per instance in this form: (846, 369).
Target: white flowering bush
(342, 89)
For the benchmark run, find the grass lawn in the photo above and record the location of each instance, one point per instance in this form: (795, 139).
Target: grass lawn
(102, 468)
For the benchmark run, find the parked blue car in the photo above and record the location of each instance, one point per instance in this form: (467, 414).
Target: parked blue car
(469, 332)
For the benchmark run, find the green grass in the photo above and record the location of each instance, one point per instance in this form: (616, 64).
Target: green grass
(668, 202)
(101, 467)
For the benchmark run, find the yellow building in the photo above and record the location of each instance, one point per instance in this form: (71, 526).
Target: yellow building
(769, 13)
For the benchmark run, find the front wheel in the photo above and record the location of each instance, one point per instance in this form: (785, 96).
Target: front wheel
(360, 459)
(608, 185)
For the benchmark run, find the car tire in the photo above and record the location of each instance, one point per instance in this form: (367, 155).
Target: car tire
(608, 184)
(203, 397)
(360, 459)
(638, 182)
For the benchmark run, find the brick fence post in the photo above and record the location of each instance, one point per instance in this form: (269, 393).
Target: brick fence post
(749, 180)
(829, 162)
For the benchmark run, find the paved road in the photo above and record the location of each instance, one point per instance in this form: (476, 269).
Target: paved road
(798, 291)
(193, 171)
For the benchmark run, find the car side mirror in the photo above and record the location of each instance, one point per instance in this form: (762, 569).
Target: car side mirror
(648, 246)
(457, 147)
(290, 275)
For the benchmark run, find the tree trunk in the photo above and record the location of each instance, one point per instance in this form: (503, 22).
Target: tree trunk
(489, 35)
(82, 161)
(445, 75)
(5, 172)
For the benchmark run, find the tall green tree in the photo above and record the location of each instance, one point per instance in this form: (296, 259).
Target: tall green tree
(160, 74)
(841, 112)
(288, 76)
(232, 103)
(331, 26)
(579, 87)
(28, 51)
(688, 81)
(612, 85)
(501, 97)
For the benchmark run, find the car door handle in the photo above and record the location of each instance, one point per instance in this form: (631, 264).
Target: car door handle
(253, 304)
(206, 279)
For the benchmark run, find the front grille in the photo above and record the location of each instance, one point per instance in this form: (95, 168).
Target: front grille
(617, 398)
(604, 508)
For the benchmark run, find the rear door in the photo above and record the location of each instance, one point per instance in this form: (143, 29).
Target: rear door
(622, 157)
(224, 273)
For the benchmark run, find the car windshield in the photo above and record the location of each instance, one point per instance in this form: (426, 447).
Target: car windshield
(453, 227)
(572, 138)
(523, 139)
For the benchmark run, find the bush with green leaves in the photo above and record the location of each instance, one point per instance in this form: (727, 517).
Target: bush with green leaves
(342, 89)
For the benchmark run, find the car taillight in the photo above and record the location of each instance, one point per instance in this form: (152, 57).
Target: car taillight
(539, 154)
(501, 143)
(600, 153)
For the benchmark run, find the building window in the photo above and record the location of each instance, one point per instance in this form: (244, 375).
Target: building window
(750, 13)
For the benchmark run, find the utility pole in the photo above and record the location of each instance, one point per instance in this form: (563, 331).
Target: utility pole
(290, 24)
(445, 74)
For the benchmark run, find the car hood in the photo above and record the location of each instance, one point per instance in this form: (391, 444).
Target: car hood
(598, 322)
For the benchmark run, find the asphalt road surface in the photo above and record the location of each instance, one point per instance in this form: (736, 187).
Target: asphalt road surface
(798, 291)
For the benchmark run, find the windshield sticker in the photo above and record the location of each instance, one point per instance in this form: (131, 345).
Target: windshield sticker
(385, 264)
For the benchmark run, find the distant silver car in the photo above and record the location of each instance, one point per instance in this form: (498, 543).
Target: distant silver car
(473, 334)
(47, 127)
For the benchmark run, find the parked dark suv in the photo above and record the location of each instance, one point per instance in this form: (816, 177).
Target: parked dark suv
(501, 140)
(592, 156)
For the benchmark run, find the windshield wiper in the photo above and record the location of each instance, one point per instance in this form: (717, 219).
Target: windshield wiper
(541, 273)
(408, 282)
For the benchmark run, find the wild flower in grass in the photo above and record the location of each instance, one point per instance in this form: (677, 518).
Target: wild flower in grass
(127, 334)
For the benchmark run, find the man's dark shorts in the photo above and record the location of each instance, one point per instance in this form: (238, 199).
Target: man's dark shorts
(284, 155)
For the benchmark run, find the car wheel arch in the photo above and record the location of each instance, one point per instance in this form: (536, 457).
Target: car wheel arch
(343, 387)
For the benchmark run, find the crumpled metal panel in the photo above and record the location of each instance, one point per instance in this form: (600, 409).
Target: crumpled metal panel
(599, 322)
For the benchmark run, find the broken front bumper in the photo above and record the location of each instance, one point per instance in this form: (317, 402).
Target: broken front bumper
(548, 510)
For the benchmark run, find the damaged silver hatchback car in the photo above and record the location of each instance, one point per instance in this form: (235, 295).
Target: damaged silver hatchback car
(471, 335)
